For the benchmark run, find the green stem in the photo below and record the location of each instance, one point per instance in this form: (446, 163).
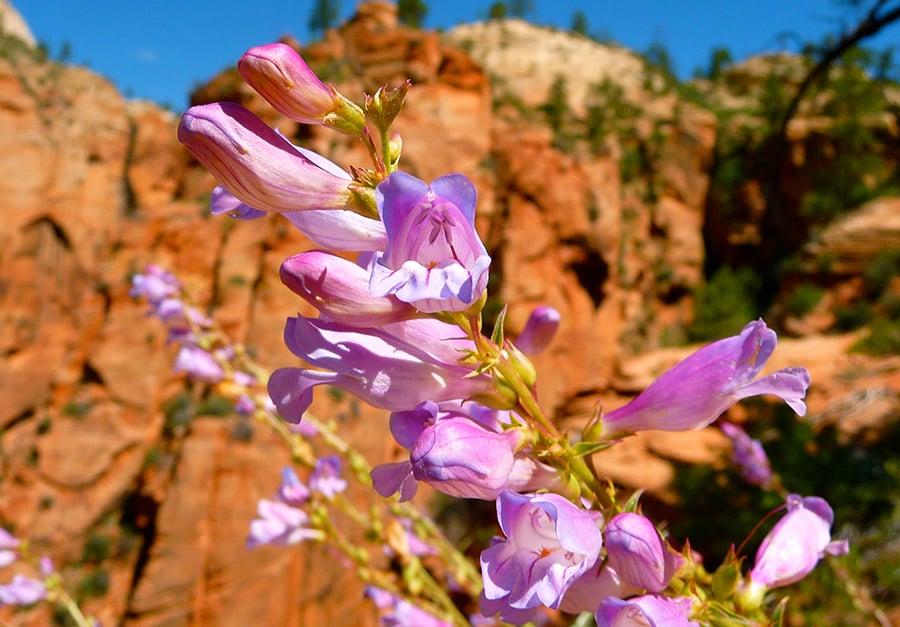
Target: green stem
(69, 604)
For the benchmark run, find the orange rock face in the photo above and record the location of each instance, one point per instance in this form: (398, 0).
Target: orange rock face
(93, 188)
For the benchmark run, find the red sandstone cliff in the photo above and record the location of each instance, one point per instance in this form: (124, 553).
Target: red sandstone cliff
(94, 187)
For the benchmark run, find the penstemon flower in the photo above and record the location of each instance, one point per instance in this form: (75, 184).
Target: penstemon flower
(339, 289)
(696, 391)
(380, 366)
(434, 258)
(334, 229)
(794, 546)
(400, 328)
(749, 456)
(549, 544)
(454, 453)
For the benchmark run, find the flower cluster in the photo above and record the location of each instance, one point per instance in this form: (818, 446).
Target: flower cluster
(23, 590)
(400, 328)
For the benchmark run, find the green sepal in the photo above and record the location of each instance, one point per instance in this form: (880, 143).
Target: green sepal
(347, 117)
(631, 505)
(498, 334)
(778, 614)
(725, 579)
(384, 106)
(583, 449)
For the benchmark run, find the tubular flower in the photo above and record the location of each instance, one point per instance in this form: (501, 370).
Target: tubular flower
(334, 229)
(9, 545)
(434, 258)
(339, 289)
(282, 522)
(638, 552)
(795, 545)
(697, 390)
(749, 456)
(258, 165)
(377, 365)
(22, 591)
(457, 455)
(549, 544)
(279, 74)
(398, 612)
(645, 611)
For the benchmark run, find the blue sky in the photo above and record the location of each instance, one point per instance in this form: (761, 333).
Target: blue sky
(161, 49)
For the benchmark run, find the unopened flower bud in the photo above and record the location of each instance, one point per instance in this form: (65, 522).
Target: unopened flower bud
(256, 164)
(280, 75)
(385, 105)
(463, 459)
(638, 552)
(539, 331)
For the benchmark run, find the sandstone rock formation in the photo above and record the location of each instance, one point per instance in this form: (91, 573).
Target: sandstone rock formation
(93, 188)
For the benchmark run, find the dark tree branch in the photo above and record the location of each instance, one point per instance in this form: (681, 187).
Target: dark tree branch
(881, 14)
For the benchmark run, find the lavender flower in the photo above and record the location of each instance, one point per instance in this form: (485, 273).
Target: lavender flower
(592, 587)
(199, 364)
(339, 289)
(795, 545)
(221, 201)
(549, 544)
(292, 491)
(696, 391)
(395, 367)
(282, 522)
(645, 611)
(326, 477)
(401, 613)
(434, 258)
(638, 553)
(334, 229)
(454, 453)
(9, 545)
(749, 456)
(155, 285)
(22, 591)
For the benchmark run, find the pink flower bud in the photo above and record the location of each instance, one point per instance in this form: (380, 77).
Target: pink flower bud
(256, 164)
(281, 76)
(647, 610)
(461, 458)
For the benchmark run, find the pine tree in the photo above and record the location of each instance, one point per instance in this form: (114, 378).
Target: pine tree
(412, 12)
(324, 15)
(580, 23)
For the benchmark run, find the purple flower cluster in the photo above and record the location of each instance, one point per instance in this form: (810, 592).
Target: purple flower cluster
(399, 328)
(284, 520)
(749, 456)
(21, 590)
